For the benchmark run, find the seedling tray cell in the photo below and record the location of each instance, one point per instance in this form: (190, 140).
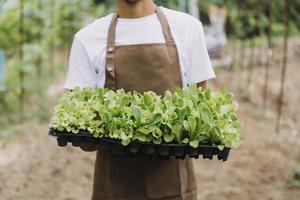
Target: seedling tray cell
(137, 148)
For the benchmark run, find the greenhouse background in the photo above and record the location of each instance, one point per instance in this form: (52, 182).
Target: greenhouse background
(254, 47)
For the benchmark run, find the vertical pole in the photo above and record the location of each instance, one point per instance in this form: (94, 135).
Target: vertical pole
(269, 56)
(1, 4)
(234, 52)
(236, 41)
(182, 5)
(251, 61)
(253, 49)
(39, 59)
(193, 8)
(21, 71)
(284, 65)
(39, 62)
(243, 40)
(52, 39)
(2, 71)
(244, 53)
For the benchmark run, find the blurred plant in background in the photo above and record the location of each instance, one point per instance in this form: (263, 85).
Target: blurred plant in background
(36, 35)
(244, 14)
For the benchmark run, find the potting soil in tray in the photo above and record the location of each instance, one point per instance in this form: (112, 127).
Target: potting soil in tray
(137, 148)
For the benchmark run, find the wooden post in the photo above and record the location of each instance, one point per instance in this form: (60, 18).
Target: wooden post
(1, 4)
(284, 64)
(193, 8)
(243, 47)
(182, 5)
(269, 54)
(21, 71)
(39, 72)
(234, 53)
(39, 60)
(253, 49)
(2, 71)
(236, 41)
(251, 62)
(52, 39)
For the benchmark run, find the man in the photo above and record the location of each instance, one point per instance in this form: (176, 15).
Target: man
(141, 47)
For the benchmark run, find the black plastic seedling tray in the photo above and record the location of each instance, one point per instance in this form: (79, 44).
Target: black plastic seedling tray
(136, 148)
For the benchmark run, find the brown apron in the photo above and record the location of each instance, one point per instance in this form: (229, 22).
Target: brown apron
(143, 67)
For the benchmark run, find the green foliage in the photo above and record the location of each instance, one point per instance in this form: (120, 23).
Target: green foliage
(49, 27)
(187, 116)
(249, 18)
(48, 20)
(296, 181)
(10, 35)
(68, 19)
(9, 30)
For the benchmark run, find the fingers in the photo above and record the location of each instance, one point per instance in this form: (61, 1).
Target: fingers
(89, 148)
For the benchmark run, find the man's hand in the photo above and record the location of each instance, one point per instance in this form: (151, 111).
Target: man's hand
(89, 148)
(202, 85)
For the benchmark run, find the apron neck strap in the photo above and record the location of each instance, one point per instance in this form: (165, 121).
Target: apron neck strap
(165, 25)
(111, 37)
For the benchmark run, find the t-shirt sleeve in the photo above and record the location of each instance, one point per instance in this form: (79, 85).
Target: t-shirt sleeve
(199, 67)
(81, 72)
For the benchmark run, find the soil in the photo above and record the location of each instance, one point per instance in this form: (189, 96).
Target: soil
(32, 167)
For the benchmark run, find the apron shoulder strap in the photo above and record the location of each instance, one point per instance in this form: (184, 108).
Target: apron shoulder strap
(165, 25)
(110, 47)
(111, 35)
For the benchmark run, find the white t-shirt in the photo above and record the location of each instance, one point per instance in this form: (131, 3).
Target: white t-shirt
(89, 47)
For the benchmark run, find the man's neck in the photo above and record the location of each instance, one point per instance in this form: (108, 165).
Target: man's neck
(135, 10)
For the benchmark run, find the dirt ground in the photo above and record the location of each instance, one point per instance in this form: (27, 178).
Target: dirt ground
(32, 167)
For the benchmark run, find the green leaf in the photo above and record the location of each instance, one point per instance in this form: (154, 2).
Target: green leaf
(221, 147)
(137, 113)
(141, 138)
(143, 130)
(169, 138)
(194, 144)
(192, 124)
(157, 141)
(177, 131)
(186, 125)
(181, 114)
(207, 94)
(185, 141)
(125, 142)
(157, 133)
(147, 100)
(156, 118)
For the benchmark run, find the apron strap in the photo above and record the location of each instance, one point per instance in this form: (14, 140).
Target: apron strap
(111, 37)
(110, 48)
(165, 26)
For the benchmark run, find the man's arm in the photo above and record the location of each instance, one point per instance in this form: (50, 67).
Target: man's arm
(198, 65)
(81, 72)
